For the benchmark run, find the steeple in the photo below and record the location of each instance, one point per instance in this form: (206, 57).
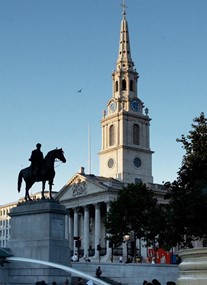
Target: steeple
(125, 153)
(125, 76)
(124, 56)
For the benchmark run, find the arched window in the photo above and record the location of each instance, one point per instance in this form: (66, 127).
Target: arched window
(111, 135)
(123, 84)
(117, 87)
(135, 134)
(131, 85)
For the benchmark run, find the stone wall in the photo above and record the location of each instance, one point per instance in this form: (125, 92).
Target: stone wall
(131, 273)
(4, 274)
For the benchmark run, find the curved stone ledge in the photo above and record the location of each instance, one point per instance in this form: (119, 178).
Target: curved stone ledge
(197, 265)
(193, 268)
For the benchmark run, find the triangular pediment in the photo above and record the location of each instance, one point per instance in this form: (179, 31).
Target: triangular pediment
(83, 185)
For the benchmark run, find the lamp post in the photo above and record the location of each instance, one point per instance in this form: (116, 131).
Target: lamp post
(110, 246)
(126, 239)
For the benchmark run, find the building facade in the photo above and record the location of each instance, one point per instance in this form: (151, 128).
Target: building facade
(125, 157)
(5, 226)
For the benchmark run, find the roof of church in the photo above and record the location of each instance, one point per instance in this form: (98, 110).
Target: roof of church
(108, 182)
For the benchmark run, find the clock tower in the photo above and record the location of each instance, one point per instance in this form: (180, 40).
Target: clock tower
(125, 153)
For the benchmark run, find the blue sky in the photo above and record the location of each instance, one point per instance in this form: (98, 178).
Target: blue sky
(51, 48)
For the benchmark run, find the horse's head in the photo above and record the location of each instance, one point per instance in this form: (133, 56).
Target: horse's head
(59, 154)
(53, 155)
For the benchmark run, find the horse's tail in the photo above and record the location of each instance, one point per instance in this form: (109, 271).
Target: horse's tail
(20, 180)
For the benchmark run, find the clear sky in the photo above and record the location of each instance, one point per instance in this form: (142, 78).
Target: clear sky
(49, 49)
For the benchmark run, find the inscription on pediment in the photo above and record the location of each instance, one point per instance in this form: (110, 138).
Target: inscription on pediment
(79, 188)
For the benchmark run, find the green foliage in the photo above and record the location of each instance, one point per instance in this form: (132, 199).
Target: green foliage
(135, 210)
(193, 172)
(187, 195)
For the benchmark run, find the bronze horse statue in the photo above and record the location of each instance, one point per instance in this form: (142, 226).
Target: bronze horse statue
(46, 173)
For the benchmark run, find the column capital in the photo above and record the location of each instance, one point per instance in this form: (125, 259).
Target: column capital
(76, 209)
(97, 205)
(86, 207)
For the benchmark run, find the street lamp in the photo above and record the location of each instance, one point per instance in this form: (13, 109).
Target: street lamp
(110, 245)
(126, 239)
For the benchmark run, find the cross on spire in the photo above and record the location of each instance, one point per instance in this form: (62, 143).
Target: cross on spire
(124, 7)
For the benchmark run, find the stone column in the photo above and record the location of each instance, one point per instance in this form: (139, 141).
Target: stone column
(67, 226)
(108, 249)
(86, 230)
(97, 228)
(71, 230)
(75, 227)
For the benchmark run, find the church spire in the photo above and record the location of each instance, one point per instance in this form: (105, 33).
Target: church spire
(125, 76)
(124, 56)
(125, 153)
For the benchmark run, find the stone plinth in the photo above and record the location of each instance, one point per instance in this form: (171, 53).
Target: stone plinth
(38, 232)
(193, 268)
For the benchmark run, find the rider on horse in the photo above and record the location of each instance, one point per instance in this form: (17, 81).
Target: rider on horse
(36, 159)
(45, 168)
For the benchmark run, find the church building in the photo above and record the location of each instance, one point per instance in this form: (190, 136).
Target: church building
(125, 157)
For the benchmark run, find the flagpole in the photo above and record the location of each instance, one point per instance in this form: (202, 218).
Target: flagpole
(89, 149)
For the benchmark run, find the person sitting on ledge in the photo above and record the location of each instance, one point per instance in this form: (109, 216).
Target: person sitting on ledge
(74, 257)
(98, 272)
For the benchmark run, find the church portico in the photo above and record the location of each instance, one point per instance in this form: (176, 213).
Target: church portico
(86, 198)
(86, 225)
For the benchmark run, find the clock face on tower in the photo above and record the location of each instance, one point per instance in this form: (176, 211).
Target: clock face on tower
(110, 163)
(112, 106)
(135, 105)
(137, 162)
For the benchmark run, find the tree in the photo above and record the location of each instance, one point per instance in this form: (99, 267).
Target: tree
(187, 195)
(135, 211)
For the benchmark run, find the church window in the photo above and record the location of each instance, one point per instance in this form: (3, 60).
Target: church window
(117, 86)
(111, 135)
(123, 84)
(135, 134)
(138, 180)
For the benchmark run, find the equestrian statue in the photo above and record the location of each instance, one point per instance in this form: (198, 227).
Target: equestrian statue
(41, 169)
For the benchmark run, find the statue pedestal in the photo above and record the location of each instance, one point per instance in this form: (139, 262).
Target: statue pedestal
(38, 232)
(193, 268)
